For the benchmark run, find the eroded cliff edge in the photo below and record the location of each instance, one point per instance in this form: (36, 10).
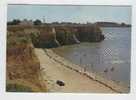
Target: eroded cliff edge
(49, 36)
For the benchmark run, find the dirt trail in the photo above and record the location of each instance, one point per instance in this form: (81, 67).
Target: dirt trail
(74, 81)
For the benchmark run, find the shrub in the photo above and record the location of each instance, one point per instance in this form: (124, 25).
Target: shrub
(37, 22)
(35, 38)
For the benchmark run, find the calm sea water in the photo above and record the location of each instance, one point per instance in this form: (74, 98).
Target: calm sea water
(110, 58)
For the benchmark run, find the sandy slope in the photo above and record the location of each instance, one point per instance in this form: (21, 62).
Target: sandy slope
(74, 81)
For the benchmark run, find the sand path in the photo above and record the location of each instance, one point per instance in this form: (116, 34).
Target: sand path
(74, 81)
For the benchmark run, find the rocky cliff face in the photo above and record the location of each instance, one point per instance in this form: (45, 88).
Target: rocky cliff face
(65, 35)
(90, 33)
(49, 36)
(72, 35)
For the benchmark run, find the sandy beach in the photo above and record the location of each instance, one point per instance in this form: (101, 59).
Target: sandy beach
(55, 68)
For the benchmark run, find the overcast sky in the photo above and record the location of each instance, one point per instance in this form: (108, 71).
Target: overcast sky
(77, 14)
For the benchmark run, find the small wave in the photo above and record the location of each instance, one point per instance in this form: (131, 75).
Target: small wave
(117, 61)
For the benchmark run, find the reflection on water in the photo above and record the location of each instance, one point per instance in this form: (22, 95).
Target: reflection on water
(110, 57)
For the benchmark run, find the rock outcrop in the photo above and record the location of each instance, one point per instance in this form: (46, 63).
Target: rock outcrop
(49, 36)
(90, 33)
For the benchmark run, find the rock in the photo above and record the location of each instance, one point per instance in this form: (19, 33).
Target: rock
(60, 83)
(106, 70)
(112, 69)
(90, 33)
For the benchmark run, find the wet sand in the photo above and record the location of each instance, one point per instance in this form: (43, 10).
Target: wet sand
(54, 67)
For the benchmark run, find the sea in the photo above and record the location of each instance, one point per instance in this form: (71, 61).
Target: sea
(109, 58)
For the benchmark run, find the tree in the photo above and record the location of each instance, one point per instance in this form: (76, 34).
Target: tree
(14, 22)
(123, 24)
(37, 22)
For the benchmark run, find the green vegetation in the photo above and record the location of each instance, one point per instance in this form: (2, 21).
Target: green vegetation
(14, 39)
(37, 22)
(18, 88)
(14, 22)
(35, 38)
(40, 42)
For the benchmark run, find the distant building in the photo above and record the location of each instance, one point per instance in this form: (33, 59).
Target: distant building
(26, 22)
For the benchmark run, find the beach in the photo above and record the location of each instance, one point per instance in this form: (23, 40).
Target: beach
(54, 67)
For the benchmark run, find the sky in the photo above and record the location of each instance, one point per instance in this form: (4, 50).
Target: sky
(78, 14)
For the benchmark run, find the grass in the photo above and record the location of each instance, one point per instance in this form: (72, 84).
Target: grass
(17, 88)
(22, 64)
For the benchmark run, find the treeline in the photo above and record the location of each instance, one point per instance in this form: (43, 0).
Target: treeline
(36, 22)
(39, 22)
(17, 22)
(112, 24)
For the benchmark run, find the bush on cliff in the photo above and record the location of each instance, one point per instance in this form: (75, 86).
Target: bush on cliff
(35, 38)
(43, 40)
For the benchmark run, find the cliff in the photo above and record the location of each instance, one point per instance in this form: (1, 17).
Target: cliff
(49, 36)
(23, 67)
(90, 33)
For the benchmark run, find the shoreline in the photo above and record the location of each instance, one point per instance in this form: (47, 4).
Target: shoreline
(119, 88)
